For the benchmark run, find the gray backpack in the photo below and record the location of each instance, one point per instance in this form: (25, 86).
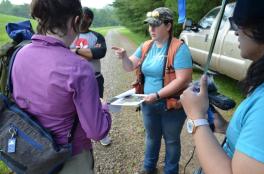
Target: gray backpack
(26, 147)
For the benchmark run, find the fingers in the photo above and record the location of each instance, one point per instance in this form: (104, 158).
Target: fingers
(185, 92)
(116, 48)
(189, 89)
(120, 52)
(203, 85)
(150, 98)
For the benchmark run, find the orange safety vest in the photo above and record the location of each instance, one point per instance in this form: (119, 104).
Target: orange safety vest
(169, 74)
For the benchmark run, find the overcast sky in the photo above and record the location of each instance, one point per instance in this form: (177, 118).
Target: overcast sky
(87, 3)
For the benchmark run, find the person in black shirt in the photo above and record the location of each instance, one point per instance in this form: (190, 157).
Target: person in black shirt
(91, 46)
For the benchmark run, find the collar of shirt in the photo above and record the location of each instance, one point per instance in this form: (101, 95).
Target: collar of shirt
(47, 40)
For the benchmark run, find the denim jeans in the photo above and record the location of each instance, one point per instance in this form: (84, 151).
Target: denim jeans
(160, 122)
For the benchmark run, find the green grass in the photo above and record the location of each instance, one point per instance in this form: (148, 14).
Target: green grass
(226, 85)
(3, 168)
(134, 37)
(4, 19)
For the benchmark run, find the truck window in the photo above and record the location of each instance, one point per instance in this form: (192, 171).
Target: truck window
(207, 21)
(228, 13)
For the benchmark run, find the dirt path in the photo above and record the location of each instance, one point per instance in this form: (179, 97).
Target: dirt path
(125, 154)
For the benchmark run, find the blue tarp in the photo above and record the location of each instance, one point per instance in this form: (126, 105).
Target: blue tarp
(19, 31)
(181, 11)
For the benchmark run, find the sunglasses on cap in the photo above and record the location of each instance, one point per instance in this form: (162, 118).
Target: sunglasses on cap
(153, 14)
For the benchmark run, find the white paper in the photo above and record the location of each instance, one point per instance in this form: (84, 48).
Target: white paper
(129, 92)
(114, 108)
(128, 98)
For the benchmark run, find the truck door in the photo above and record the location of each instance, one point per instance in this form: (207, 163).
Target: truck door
(223, 31)
(230, 61)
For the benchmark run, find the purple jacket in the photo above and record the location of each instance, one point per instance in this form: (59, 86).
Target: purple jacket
(55, 85)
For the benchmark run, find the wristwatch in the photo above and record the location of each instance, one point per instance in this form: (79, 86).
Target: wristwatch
(77, 51)
(157, 95)
(193, 124)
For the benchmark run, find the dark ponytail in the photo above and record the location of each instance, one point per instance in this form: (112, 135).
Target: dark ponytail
(255, 76)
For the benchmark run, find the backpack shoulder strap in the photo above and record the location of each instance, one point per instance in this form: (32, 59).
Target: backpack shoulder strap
(73, 129)
(173, 48)
(10, 65)
(6, 48)
(145, 48)
(140, 76)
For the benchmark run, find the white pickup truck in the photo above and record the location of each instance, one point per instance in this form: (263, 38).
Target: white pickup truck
(226, 57)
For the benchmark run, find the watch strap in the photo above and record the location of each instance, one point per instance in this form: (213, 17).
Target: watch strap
(157, 95)
(77, 51)
(200, 122)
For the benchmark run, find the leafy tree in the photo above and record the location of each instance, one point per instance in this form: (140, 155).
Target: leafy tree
(16, 10)
(132, 13)
(5, 6)
(103, 17)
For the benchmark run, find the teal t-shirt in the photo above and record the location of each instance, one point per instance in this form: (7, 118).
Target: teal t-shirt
(153, 65)
(245, 132)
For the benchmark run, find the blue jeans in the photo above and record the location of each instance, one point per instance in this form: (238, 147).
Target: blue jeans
(160, 122)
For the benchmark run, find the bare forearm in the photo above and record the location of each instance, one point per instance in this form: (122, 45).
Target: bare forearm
(211, 156)
(173, 87)
(127, 64)
(85, 53)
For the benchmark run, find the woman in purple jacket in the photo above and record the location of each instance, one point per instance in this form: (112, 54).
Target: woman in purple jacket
(54, 84)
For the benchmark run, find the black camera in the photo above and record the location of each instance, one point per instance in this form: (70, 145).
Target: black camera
(215, 98)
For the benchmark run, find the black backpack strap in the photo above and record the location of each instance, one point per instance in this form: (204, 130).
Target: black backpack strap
(9, 83)
(165, 59)
(9, 75)
(73, 129)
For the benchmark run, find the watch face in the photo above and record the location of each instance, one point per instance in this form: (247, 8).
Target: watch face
(190, 126)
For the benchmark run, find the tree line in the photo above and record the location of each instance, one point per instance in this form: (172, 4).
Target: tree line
(129, 13)
(103, 17)
(6, 7)
(132, 13)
